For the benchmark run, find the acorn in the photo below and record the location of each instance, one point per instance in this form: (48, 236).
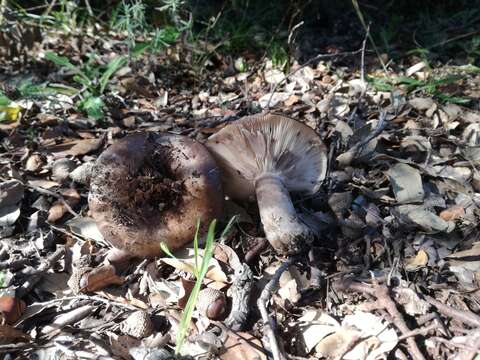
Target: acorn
(212, 303)
(138, 325)
(85, 279)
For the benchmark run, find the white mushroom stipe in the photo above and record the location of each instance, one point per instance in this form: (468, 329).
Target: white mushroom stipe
(283, 229)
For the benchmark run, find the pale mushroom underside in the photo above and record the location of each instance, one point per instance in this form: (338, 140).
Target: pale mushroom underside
(269, 144)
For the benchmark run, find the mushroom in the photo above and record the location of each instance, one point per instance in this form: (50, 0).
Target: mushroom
(150, 188)
(268, 156)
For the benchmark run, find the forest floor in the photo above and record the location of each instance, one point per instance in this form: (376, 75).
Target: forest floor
(394, 269)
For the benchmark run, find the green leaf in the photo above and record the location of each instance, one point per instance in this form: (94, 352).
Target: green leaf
(92, 106)
(195, 249)
(113, 66)
(4, 101)
(61, 61)
(140, 48)
(82, 80)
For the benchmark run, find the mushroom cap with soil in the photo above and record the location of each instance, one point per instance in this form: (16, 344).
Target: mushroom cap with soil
(269, 156)
(150, 188)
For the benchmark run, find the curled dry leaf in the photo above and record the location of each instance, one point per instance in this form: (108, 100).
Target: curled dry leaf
(34, 163)
(242, 346)
(420, 260)
(90, 280)
(314, 326)
(11, 308)
(86, 227)
(185, 261)
(452, 213)
(76, 147)
(58, 209)
(362, 336)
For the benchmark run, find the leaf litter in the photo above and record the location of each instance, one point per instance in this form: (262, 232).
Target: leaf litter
(394, 270)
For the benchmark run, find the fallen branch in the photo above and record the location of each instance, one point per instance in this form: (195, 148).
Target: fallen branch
(268, 323)
(384, 301)
(466, 317)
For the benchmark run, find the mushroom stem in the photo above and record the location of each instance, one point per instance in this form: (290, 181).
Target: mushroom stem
(283, 228)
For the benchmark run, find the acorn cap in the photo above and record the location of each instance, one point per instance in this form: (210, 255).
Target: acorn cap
(269, 144)
(138, 325)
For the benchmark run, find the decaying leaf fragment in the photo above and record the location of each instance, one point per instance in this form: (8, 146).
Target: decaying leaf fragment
(406, 183)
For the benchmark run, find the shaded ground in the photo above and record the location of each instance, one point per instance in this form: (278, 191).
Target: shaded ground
(394, 269)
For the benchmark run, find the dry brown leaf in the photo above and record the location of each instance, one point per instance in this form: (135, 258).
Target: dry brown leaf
(242, 346)
(10, 335)
(56, 212)
(420, 260)
(75, 147)
(11, 308)
(452, 213)
(44, 184)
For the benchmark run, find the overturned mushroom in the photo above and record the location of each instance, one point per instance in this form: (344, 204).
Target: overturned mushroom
(270, 155)
(150, 188)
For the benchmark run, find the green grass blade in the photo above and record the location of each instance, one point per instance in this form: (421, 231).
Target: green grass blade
(112, 67)
(192, 300)
(166, 250)
(195, 249)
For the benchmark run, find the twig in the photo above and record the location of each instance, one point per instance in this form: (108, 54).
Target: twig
(384, 301)
(260, 245)
(362, 58)
(14, 264)
(451, 344)
(466, 317)
(421, 331)
(268, 323)
(241, 289)
(55, 195)
(34, 277)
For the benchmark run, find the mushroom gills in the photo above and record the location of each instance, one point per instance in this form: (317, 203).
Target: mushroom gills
(283, 228)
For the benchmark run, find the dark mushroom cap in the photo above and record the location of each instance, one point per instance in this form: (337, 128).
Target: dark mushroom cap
(269, 144)
(150, 188)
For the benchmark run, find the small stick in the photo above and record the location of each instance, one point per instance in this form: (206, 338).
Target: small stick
(466, 317)
(35, 276)
(384, 301)
(55, 195)
(262, 306)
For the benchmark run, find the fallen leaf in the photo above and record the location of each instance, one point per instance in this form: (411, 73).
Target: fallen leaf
(185, 260)
(242, 346)
(452, 213)
(86, 227)
(9, 335)
(420, 260)
(314, 326)
(406, 183)
(276, 98)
